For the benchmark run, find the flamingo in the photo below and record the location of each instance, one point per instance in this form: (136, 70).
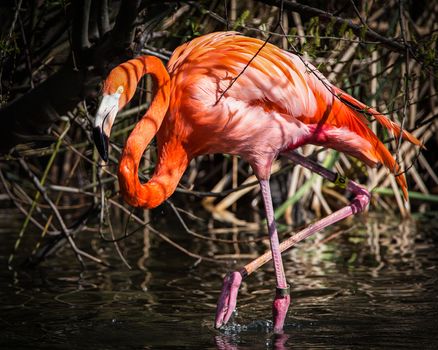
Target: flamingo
(278, 103)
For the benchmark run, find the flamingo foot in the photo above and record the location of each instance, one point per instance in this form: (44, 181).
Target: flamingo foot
(228, 298)
(280, 307)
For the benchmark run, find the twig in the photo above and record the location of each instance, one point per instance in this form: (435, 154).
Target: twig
(57, 200)
(356, 10)
(19, 206)
(197, 235)
(227, 23)
(406, 88)
(79, 253)
(104, 212)
(103, 17)
(161, 235)
(55, 242)
(162, 56)
(37, 195)
(27, 53)
(11, 31)
(121, 34)
(424, 163)
(80, 25)
(279, 24)
(359, 30)
(243, 70)
(116, 244)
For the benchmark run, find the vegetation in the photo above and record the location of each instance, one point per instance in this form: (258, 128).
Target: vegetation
(54, 54)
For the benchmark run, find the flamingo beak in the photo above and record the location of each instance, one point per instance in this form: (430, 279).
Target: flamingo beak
(102, 142)
(103, 123)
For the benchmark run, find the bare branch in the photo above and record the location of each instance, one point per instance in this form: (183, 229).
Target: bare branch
(359, 30)
(103, 17)
(79, 253)
(81, 19)
(121, 35)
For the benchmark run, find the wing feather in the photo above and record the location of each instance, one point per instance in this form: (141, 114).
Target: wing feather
(281, 82)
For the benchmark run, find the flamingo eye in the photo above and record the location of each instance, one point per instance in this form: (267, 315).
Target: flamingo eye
(120, 89)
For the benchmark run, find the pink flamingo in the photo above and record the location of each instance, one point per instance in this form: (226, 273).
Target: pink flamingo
(276, 105)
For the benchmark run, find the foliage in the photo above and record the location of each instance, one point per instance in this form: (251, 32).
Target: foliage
(54, 54)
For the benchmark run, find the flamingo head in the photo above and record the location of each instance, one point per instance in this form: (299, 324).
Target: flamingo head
(116, 93)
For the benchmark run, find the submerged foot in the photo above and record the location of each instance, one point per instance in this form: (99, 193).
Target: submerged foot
(280, 307)
(228, 298)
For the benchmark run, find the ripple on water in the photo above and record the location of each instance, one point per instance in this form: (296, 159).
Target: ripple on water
(374, 286)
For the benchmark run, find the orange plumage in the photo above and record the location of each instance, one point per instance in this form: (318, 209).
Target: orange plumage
(275, 84)
(279, 103)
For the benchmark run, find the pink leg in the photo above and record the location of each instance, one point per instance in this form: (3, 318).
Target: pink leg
(282, 294)
(228, 297)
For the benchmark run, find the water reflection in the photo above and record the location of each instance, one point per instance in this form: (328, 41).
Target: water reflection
(367, 283)
(229, 342)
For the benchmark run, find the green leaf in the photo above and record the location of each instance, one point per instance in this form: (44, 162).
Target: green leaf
(328, 163)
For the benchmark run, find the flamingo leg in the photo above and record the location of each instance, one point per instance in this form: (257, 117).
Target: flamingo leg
(282, 294)
(228, 298)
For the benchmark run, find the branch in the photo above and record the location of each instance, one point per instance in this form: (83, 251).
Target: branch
(103, 17)
(79, 253)
(81, 19)
(121, 34)
(359, 30)
(34, 112)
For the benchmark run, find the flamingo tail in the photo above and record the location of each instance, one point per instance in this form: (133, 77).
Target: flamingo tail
(358, 124)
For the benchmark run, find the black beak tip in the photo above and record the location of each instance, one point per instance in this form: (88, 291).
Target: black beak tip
(101, 141)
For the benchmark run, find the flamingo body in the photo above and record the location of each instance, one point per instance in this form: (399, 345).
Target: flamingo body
(278, 103)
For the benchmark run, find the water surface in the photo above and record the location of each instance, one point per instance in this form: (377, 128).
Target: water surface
(366, 283)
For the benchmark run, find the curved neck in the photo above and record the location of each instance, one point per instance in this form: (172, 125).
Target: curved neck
(172, 159)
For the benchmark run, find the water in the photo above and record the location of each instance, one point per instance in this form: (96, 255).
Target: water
(366, 283)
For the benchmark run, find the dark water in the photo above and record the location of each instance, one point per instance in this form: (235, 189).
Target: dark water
(367, 283)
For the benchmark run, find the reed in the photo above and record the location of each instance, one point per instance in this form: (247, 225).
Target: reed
(59, 176)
